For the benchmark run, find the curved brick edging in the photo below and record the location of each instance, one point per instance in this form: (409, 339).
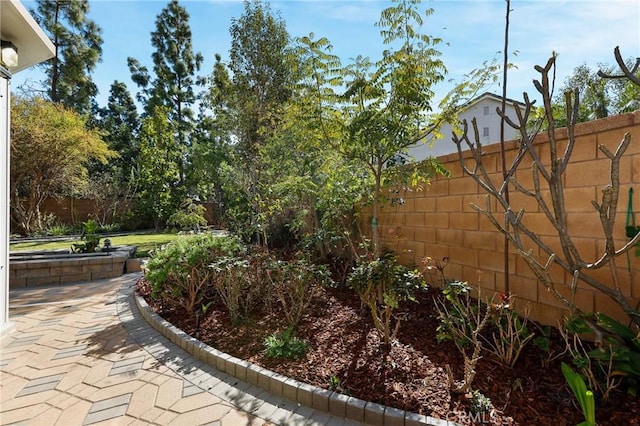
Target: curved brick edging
(333, 403)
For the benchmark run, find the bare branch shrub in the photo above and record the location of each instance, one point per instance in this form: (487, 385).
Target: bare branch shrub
(549, 194)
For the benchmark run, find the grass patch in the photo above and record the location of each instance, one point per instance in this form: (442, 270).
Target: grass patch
(144, 241)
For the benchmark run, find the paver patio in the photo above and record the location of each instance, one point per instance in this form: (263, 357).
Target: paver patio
(81, 354)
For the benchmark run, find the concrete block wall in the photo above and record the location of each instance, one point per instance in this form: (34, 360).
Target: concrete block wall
(439, 221)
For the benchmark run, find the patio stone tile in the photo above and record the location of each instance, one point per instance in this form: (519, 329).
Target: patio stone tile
(189, 389)
(127, 365)
(116, 390)
(170, 392)
(24, 341)
(108, 409)
(142, 400)
(235, 417)
(40, 385)
(70, 352)
(21, 415)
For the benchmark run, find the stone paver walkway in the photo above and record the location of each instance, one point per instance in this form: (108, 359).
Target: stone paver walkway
(82, 355)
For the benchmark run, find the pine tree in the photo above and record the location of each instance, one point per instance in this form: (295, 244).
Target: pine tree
(78, 50)
(121, 124)
(172, 86)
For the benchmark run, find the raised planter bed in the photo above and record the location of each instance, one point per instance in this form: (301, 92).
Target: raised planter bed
(35, 268)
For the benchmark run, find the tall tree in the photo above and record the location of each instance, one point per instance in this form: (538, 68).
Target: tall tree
(261, 66)
(120, 122)
(174, 66)
(51, 148)
(157, 171)
(211, 141)
(78, 50)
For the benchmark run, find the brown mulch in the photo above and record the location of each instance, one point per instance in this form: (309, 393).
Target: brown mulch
(411, 374)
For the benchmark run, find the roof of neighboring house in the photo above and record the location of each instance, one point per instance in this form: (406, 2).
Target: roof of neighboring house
(18, 26)
(493, 96)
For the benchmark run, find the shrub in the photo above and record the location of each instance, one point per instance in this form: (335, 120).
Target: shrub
(179, 272)
(232, 282)
(293, 284)
(381, 285)
(89, 240)
(285, 345)
(190, 216)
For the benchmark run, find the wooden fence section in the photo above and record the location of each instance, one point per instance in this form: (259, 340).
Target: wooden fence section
(439, 221)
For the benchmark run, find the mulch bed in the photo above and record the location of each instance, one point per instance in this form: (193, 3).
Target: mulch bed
(346, 355)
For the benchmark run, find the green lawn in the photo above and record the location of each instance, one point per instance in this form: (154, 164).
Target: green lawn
(144, 241)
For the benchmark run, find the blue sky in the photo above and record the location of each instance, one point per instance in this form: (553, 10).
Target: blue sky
(580, 31)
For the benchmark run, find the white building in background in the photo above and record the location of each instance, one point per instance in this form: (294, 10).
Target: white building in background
(22, 45)
(483, 108)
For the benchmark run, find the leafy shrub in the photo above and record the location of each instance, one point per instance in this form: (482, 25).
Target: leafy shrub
(232, 282)
(179, 272)
(616, 357)
(293, 284)
(189, 216)
(462, 320)
(89, 239)
(285, 345)
(381, 285)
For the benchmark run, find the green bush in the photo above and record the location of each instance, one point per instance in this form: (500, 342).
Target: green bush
(293, 284)
(190, 216)
(179, 272)
(89, 240)
(381, 285)
(285, 345)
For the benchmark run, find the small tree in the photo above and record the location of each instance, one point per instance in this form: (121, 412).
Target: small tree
(51, 148)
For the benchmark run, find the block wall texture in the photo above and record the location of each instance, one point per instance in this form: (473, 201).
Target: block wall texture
(439, 221)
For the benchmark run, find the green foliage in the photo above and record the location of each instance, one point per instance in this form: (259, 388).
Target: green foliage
(509, 331)
(585, 397)
(189, 216)
(120, 124)
(480, 404)
(381, 285)
(90, 240)
(261, 69)
(233, 282)
(158, 172)
(505, 331)
(293, 284)
(51, 148)
(334, 384)
(179, 272)
(172, 85)
(619, 349)
(285, 345)
(78, 49)
(458, 296)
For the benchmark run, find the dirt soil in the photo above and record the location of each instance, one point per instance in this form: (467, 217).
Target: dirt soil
(345, 355)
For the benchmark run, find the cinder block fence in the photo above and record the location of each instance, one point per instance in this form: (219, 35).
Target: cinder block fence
(438, 221)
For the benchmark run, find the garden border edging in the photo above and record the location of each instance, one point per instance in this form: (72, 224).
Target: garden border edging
(323, 400)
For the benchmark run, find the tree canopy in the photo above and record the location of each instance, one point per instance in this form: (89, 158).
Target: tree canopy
(78, 49)
(51, 148)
